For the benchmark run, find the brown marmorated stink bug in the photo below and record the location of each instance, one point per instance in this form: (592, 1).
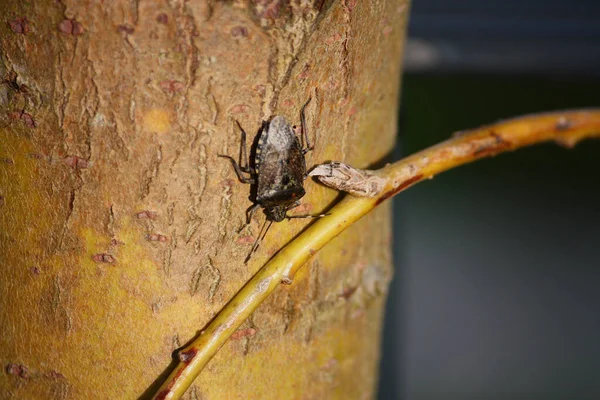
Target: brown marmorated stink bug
(276, 170)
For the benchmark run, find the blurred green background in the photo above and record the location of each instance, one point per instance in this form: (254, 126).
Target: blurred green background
(497, 286)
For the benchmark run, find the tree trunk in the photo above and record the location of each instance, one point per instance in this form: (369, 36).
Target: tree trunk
(119, 223)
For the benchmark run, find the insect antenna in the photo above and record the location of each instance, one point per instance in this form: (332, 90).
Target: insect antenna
(306, 147)
(306, 216)
(259, 239)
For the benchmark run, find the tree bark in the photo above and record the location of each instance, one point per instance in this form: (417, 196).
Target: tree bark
(119, 223)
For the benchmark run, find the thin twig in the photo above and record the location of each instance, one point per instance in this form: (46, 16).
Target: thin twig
(566, 128)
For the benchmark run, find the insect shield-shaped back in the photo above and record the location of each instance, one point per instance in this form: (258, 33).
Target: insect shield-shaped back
(280, 169)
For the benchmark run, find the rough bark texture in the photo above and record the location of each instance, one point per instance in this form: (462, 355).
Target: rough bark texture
(118, 223)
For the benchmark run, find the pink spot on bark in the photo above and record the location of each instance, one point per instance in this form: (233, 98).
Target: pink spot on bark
(66, 26)
(55, 375)
(125, 28)
(171, 86)
(18, 370)
(70, 27)
(242, 333)
(336, 37)
(259, 89)
(76, 162)
(228, 183)
(155, 237)
(28, 119)
(103, 258)
(77, 28)
(302, 209)
(239, 109)
(305, 72)
(245, 240)
(332, 83)
(19, 25)
(23, 116)
(146, 214)
(162, 18)
(239, 31)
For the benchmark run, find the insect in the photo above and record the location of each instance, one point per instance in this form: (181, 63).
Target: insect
(277, 171)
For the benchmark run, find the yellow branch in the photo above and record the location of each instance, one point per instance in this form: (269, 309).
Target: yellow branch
(566, 128)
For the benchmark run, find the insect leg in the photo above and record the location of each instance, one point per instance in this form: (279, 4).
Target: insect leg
(306, 216)
(250, 212)
(242, 165)
(238, 170)
(259, 238)
(304, 130)
(243, 159)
